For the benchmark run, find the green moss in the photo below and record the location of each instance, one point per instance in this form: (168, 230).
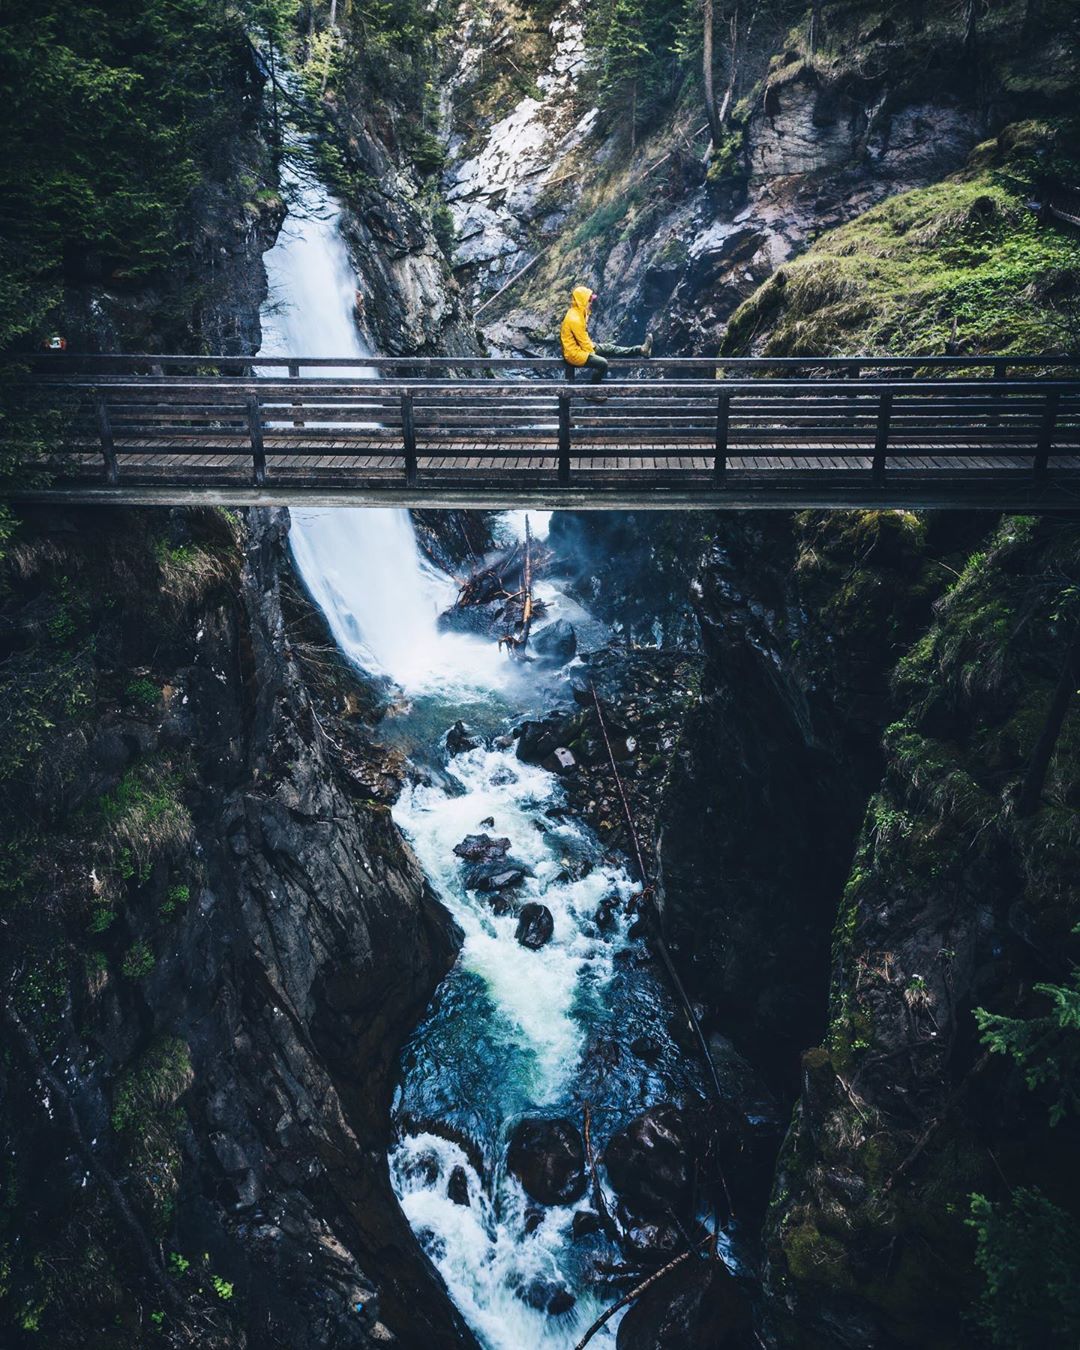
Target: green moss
(143, 692)
(149, 1122)
(814, 1257)
(176, 898)
(143, 817)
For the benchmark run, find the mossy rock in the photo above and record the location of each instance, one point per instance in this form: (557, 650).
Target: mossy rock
(963, 265)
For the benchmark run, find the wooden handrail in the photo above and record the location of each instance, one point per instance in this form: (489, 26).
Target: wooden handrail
(874, 418)
(849, 366)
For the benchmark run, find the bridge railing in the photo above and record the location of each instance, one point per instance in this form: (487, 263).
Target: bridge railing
(420, 422)
(373, 368)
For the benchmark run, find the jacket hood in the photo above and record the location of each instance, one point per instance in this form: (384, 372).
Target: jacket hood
(582, 297)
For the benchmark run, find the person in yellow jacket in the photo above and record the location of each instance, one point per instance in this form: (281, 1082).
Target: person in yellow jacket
(578, 348)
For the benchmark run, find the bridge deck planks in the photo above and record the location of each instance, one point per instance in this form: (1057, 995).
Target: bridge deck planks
(166, 463)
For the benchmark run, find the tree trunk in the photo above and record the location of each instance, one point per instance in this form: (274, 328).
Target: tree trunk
(815, 21)
(716, 126)
(1027, 803)
(733, 73)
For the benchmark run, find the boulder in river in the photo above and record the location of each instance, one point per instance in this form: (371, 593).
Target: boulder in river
(460, 738)
(560, 760)
(650, 1161)
(547, 1296)
(606, 914)
(535, 925)
(457, 1188)
(646, 1048)
(555, 643)
(649, 1240)
(489, 869)
(482, 848)
(548, 1158)
(699, 1306)
(585, 1223)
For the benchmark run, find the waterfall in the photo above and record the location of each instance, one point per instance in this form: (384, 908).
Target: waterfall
(363, 566)
(363, 569)
(310, 309)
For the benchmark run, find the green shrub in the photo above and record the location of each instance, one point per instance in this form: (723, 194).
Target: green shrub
(176, 898)
(138, 960)
(144, 692)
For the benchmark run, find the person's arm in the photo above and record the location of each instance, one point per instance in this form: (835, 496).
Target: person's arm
(580, 332)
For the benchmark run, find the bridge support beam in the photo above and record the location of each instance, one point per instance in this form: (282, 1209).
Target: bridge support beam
(723, 416)
(408, 438)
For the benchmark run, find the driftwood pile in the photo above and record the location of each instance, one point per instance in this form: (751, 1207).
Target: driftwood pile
(505, 588)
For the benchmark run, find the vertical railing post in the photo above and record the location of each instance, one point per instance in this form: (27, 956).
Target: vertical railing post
(723, 416)
(1046, 434)
(1000, 375)
(881, 439)
(408, 438)
(108, 449)
(564, 440)
(853, 372)
(258, 452)
(294, 374)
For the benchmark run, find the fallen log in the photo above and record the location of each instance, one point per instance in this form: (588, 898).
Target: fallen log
(630, 1295)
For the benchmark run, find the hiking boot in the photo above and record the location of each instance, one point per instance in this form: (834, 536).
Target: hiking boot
(646, 346)
(596, 398)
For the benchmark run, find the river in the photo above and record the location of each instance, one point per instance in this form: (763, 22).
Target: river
(511, 1032)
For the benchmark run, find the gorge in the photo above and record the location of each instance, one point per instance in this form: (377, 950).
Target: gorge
(348, 951)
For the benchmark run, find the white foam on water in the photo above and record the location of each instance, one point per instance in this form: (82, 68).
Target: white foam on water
(534, 991)
(483, 1253)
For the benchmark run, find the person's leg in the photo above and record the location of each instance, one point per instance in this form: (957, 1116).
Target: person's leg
(643, 349)
(598, 366)
(569, 371)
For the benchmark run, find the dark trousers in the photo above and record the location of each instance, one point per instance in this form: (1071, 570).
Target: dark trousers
(596, 364)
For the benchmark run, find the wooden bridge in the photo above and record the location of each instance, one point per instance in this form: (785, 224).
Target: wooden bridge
(475, 431)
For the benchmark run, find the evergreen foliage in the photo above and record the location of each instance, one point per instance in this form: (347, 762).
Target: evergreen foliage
(1047, 1047)
(640, 57)
(1028, 1252)
(120, 107)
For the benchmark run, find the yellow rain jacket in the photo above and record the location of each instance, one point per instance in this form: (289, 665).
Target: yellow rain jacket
(574, 334)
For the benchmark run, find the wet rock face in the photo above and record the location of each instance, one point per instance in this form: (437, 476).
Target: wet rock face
(548, 1158)
(305, 949)
(318, 891)
(650, 1161)
(801, 621)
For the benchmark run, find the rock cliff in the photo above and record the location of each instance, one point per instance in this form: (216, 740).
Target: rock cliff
(235, 941)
